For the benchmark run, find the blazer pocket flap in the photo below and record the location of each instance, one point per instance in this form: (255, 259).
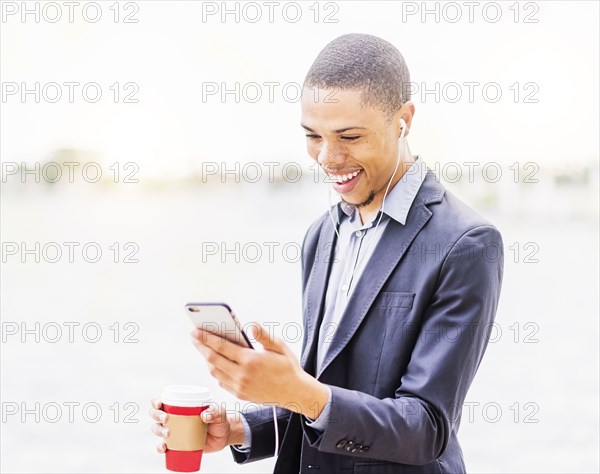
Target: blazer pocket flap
(394, 299)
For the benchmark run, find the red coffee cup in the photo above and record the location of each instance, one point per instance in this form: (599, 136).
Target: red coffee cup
(187, 431)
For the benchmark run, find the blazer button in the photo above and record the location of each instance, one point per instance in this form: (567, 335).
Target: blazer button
(341, 443)
(314, 466)
(357, 448)
(349, 445)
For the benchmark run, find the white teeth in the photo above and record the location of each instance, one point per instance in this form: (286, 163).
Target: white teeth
(345, 177)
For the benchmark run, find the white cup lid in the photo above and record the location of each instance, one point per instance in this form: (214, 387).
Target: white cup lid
(185, 395)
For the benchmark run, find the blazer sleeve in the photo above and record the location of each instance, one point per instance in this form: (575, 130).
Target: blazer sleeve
(414, 426)
(260, 421)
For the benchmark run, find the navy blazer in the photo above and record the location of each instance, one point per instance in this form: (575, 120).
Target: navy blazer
(407, 348)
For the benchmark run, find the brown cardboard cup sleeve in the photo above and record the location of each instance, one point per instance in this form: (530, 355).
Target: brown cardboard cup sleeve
(186, 433)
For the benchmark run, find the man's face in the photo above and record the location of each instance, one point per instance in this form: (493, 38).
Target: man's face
(354, 144)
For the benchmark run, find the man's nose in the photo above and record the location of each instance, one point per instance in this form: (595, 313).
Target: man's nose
(330, 156)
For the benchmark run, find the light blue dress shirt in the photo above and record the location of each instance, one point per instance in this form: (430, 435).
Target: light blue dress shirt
(355, 245)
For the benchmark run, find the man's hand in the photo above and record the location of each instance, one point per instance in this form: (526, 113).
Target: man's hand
(270, 376)
(223, 429)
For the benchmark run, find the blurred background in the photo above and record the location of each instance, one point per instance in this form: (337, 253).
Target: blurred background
(152, 155)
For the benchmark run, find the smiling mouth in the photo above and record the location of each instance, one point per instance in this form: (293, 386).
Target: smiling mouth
(343, 178)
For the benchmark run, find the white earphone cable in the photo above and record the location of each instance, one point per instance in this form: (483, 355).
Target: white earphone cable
(402, 134)
(276, 431)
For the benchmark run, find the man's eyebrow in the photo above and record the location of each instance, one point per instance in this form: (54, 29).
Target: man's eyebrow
(341, 130)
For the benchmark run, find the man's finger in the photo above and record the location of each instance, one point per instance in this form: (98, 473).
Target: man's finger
(214, 358)
(158, 415)
(223, 376)
(219, 344)
(160, 430)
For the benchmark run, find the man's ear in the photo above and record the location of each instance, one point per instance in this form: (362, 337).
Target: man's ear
(406, 112)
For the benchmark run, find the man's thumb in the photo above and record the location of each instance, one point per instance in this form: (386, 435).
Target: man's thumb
(268, 341)
(214, 414)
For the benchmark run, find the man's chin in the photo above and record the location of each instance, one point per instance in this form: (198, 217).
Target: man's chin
(358, 203)
(349, 201)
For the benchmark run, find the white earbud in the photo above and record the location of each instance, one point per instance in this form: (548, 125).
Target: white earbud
(403, 124)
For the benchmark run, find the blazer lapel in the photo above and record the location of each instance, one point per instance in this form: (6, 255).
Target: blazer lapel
(317, 287)
(394, 242)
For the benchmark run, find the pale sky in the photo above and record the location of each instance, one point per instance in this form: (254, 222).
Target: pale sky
(171, 54)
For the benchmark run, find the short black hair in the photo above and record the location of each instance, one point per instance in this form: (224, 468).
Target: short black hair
(367, 63)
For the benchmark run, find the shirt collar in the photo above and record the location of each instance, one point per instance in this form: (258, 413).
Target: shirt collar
(400, 198)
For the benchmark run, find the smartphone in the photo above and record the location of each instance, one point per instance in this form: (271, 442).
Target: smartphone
(219, 319)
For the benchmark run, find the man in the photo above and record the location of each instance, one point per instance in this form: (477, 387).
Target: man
(401, 282)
